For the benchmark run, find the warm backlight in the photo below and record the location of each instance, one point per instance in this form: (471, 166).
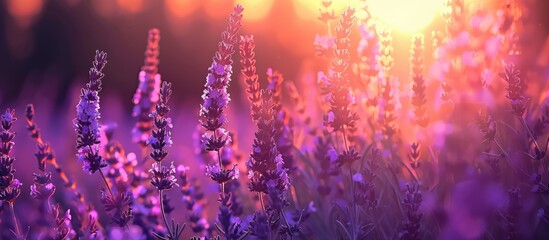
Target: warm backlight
(405, 15)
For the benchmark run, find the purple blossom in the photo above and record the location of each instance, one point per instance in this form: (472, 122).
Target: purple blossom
(162, 177)
(147, 93)
(160, 138)
(86, 123)
(338, 82)
(222, 175)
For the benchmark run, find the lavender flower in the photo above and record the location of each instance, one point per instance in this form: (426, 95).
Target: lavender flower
(43, 188)
(147, 92)
(45, 153)
(365, 180)
(412, 223)
(247, 55)
(161, 136)
(266, 172)
(265, 167)
(284, 134)
(86, 123)
(416, 69)
(487, 125)
(512, 214)
(10, 187)
(387, 104)
(326, 13)
(118, 207)
(414, 156)
(340, 115)
(194, 201)
(327, 164)
(213, 117)
(215, 96)
(163, 177)
(519, 102)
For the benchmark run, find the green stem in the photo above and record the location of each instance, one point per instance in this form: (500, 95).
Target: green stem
(222, 185)
(164, 213)
(355, 215)
(509, 159)
(15, 222)
(106, 183)
(260, 195)
(530, 134)
(287, 224)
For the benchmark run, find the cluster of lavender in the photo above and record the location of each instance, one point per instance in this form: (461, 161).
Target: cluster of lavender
(266, 172)
(271, 160)
(354, 174)
(88, 130)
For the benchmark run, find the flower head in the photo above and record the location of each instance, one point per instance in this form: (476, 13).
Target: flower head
(340, 101)
(86, 123)
(162, 177)
(222, 175)
(160, 138)
(10, 193)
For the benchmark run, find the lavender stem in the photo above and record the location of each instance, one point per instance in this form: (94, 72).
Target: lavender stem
(164, 213)
(15, 222)
(106, 183)
(222, 185)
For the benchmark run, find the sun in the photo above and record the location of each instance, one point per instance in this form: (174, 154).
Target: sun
(405, 15)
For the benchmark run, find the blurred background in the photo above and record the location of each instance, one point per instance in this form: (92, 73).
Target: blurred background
(51, 43)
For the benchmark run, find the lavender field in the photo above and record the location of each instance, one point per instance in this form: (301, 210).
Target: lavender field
(249, 119)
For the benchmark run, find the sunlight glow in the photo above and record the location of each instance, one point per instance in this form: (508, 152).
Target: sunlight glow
(405, 15)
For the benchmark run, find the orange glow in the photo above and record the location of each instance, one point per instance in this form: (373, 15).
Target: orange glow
(255, 10)
(181, 8)
(405, 15)
(104, 8)
(132, 6)
(309, 9)
(24, 11)
(217, 9)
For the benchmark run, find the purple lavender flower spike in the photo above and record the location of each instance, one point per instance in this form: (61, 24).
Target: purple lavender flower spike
(86, 123)
(213, 117)
(10, 187)
(266, 172)
(162, 177)
(147, 93)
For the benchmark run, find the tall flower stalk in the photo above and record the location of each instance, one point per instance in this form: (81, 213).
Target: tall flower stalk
(146, 94)
(86, 124)
(87, 128)
(340, 114)
(45, 154)
(249, 71)
(42, 189)
(418, 87)
(163, 177)
(266, 172)
(10, 187)
(213, 116)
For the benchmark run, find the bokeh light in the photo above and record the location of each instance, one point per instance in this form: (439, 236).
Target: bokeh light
(405, 15)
